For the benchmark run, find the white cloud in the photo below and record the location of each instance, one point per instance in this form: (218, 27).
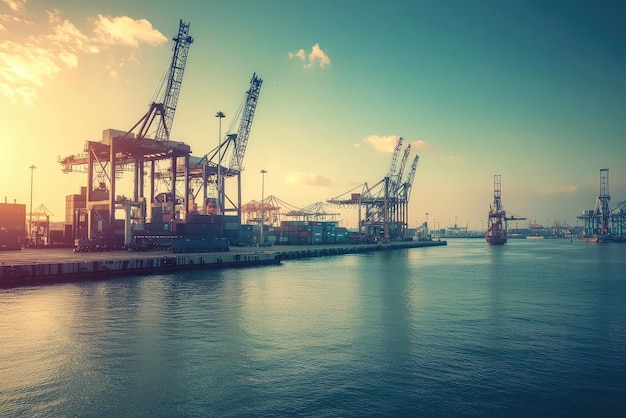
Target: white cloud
(15, 5)
(299, 54)
(308, 179)
(35, 52)
(451, 158)
(384, 144)
(26, 63)
(419, 144)
(10, 19)
(126, 31)
(316, 56)
(23, 94)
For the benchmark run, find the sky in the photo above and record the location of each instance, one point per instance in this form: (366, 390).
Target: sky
(534, 91)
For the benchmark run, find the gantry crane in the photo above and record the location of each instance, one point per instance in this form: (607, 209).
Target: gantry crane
(119, 150)
(232, 149)
(606, 222)
(405, 193)
(165, 110)
(385, 205)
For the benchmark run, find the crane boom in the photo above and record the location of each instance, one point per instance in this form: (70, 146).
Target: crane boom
(241, 139)
(180, 52)
(398, 180)
(394, 159)
(408, 184)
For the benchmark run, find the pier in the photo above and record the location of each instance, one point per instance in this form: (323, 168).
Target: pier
(47, 266)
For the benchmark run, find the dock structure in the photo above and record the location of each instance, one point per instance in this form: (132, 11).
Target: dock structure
(47, 266)
(607, 221)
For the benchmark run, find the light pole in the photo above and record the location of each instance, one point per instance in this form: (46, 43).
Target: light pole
(426, 223)
(220, 115)
(262, 205)
(30, 217)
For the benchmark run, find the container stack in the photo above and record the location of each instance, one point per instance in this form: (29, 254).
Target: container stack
(74, 202)
(307, 232)
(246, 235)
(161, 212)
(12, 226)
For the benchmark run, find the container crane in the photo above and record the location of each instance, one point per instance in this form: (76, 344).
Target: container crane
(166, 107)
(398, 181)
(241, 139)
(606, 222)
(120, 150)
(405, 193)
(235, 143)
(408, 183)
(394, 160)
(385, 204)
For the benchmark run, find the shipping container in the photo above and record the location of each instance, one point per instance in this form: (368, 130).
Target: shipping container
(12, 212)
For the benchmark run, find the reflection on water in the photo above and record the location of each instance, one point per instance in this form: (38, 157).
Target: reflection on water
(529, 328)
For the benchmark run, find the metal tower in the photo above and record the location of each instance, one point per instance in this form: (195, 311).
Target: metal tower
(119, 151)
(204, 171)
(385, 204)
(165, 108)
(180, 51)
(602, 211)
(241, 139)
(496, 224)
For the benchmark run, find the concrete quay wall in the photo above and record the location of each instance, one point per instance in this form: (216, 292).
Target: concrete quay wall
(53, 272)
(54, 266)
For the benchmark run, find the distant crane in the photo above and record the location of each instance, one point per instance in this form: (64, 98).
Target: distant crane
(397, 183)
(405, 192)
(408, 183)
(497, 221)
(602, 210)
(385, 204)
(606, 222)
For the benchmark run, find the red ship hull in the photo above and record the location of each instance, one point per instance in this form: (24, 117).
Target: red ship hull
(495, 240)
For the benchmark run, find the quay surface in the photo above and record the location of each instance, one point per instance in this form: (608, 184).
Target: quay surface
(55, 265)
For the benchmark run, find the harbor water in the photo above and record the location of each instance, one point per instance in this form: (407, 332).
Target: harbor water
(531, 328)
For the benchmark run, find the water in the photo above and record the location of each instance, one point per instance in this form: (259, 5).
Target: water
(534, 328)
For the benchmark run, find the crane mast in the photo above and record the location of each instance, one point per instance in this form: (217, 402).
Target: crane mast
(180, 51)
(398, 181)
(408, 184)
(394, 160)
(241, 140)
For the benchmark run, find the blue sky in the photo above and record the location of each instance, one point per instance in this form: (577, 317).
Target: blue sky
(531, 90)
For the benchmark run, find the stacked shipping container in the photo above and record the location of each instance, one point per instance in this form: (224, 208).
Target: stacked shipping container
(308, 232)
(12, 226)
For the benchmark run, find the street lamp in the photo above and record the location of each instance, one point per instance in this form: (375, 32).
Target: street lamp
(426, 223)
(220, 115)
(262, 204)
(30, 217)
